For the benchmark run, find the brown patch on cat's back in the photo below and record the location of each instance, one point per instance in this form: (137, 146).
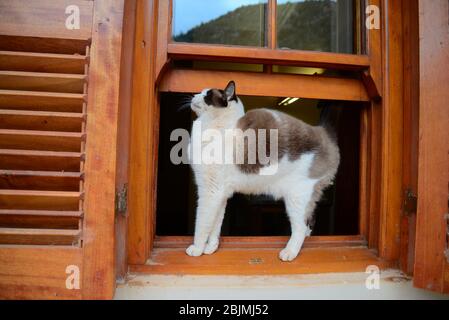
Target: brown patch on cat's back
(257, 119)
(295, 138)
(299, 138)
(327, 157)
(260, 119)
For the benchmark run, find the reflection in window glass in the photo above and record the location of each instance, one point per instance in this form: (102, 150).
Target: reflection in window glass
(316, 25)
(213, 65)
(236, 22)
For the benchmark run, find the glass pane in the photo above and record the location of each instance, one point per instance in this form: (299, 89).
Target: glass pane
(316, 25)
(231, 22)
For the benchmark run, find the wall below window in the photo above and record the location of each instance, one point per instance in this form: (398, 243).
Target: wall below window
(393, 285)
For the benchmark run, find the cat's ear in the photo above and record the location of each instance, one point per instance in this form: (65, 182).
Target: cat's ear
(230, 90)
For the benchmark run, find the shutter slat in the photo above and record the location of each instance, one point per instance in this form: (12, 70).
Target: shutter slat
(43, 45)
(39, 120)
(42, 62)
(40, 140)
(38, 236)
(40, 219)
(42, 213)
(40, 180)
(41, 101)
(39, 160)
(39, 200)
(46, 82)
(38, 222)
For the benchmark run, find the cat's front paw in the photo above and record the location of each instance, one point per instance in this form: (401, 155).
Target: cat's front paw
(194, 251)
(288, 254)
(211, 247)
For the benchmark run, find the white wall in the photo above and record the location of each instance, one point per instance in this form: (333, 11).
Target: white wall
(393, 285)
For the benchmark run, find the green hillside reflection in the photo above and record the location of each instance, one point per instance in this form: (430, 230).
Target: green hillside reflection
(308, 25)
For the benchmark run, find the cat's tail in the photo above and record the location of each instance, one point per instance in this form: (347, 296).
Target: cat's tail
(330, 113)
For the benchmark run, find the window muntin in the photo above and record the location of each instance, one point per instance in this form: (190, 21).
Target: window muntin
(316, 25)
(237, 22)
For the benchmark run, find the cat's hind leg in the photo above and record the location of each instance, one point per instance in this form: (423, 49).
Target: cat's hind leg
(298, 203)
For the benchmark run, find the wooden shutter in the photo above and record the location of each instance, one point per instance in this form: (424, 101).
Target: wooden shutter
(42, 135)
(58, 123)
(432, 258)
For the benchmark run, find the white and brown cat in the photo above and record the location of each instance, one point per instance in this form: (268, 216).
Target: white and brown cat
(307, 161)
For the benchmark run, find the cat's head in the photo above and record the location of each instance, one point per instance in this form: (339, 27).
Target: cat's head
(214, 99)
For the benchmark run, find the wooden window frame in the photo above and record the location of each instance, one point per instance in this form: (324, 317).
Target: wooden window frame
(431, 245)
(381, 146)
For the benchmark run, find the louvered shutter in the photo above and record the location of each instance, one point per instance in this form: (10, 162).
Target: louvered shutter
(43, 89)
(42, 134)
(53, 78)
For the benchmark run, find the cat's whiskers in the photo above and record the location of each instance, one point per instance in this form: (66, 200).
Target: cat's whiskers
(185, 102)
(184, 106)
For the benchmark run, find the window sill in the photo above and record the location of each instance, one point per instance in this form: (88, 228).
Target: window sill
(254, 257)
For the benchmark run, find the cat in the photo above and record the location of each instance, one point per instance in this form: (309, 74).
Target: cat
(307, 161)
